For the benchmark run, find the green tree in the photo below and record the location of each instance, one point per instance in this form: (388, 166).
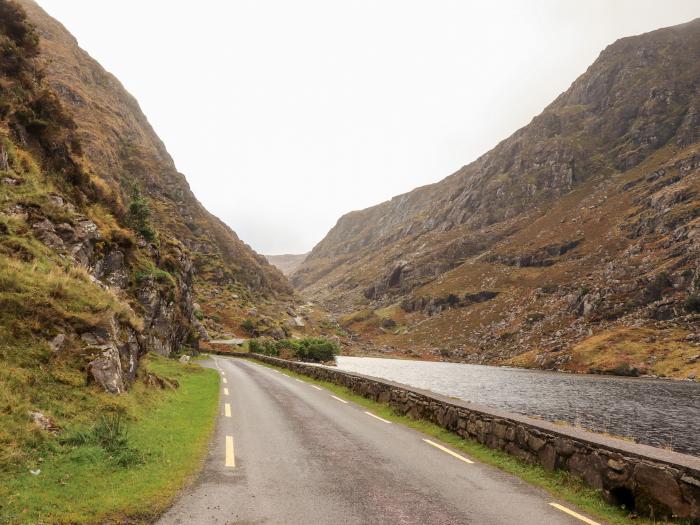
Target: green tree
(140, 215)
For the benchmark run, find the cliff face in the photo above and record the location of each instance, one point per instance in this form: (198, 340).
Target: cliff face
(582, 224)
(124, 153)
(104, 250)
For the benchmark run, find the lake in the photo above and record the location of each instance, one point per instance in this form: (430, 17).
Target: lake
(652, 411)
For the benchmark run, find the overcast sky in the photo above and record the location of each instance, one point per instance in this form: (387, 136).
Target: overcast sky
(284, 115)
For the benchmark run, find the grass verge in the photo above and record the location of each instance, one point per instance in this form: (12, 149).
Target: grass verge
(559, 484)
(82, 481)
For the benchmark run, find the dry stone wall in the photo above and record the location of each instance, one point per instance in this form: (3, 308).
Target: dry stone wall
(653, 481)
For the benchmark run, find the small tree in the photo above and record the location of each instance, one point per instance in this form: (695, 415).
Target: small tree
(140, 215)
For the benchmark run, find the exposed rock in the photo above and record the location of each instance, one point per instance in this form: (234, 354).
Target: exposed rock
(43, 422)
(46, 233)
(106, 370)
(184, 359)
(57, 343)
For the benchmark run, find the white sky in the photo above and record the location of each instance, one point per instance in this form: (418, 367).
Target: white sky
(284, 115)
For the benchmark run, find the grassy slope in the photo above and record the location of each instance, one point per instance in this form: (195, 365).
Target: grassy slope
(81, 484)
(559, 484)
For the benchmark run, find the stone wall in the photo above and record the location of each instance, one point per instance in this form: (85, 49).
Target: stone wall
(653, 481)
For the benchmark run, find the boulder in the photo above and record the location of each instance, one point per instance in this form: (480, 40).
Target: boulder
(185, 359)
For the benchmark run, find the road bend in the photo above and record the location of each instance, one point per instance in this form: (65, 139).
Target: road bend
(289, 452)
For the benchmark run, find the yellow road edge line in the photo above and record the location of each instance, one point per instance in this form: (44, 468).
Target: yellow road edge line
(316, 387)
(377, 417)
(225, 391)
(574, 514)
(445, 449)
(224, 380)
(230, 458)
(338, 399)
(227, 410)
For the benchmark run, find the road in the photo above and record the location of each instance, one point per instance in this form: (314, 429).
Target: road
(288, 452)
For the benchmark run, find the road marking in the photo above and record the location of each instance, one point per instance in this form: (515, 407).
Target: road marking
(224, 380)
(445, 449)
(338, 399)
(230, 459)
(227, 410)
(377, 417)
(295, 379)
(316, 387)
(574, 514)
(225, 391)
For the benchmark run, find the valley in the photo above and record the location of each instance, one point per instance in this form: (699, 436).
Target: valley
(155, 368)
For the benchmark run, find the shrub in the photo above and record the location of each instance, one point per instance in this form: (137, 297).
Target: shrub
(692, 303)
(316, 349)
(140, 215)
(249, 326)
(308, 349)
(264, 346)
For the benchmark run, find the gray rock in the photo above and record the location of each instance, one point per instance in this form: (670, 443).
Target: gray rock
(106, 370)
(46, 233)
(43, 422)
(57, 343)
(185, 359)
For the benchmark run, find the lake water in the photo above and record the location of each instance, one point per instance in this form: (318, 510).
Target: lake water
(652, 411)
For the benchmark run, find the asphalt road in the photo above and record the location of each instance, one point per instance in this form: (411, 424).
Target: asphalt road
(287, 452)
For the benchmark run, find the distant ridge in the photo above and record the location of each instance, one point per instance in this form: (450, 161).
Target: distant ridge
(287, 263)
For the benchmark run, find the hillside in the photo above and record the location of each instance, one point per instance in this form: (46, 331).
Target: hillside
(573, 244)
(287, 263)
(105, 253)
(124, 152)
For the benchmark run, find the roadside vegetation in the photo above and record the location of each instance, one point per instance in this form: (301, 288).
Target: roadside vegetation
(559, 484)
(314, 349)
(126, 464)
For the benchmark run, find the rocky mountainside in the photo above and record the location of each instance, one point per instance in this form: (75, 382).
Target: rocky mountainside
(104, 250)
(287, 263)
(573, 244)
(125, 154)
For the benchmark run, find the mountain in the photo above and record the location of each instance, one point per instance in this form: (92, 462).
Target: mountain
(105, 253)
(124, 152)
(287, 263)
(573, 244)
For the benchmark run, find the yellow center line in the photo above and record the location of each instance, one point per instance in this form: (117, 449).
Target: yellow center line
(377, 417)
(316, 387)
(230, 459)
(445, 449)
(225, 391)
(338, 399)
(227, 410)
(224, 380)
(574, 514)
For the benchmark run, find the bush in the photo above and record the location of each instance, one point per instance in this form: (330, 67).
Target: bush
(249, 326)
(317, 350)
(308, 349)
(692, 303)
(264, 346)
(140, 215)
